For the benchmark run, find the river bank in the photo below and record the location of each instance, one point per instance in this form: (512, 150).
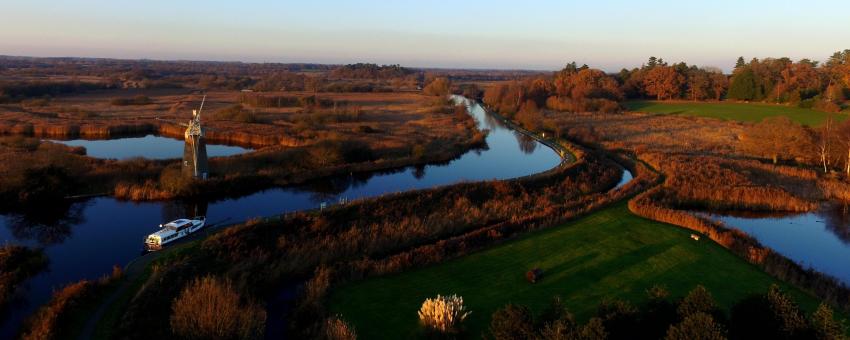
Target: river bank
(89, 221)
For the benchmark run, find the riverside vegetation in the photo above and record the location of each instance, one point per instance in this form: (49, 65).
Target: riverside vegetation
(371, 238)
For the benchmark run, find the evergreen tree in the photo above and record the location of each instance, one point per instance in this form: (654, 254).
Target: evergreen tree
(743, 86)
(652, 62)
(740, 63)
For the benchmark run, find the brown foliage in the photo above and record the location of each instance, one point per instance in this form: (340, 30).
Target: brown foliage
(210, 308)
(663, 82)
(440, 86)
(52, 321)
(17, 263)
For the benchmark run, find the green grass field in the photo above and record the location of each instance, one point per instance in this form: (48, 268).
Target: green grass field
(733, 111)
(611, 253)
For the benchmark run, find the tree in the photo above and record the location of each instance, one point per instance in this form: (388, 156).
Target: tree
(824, 325)
(843, 137)
(529, 116)
(699, 300)
(719, 84)
(512, 322)
(663, 82)
(789, 319)
(698, 84)
(619, 317)
(698, 326)
(743, 85)
(440, 86)
(45, 185)
(652, 62)
(210, 308)
(777, 136)
(825, 139)
(740, 63)
(314, 84)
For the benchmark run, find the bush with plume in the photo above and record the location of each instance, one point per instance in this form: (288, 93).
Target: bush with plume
(443, 313)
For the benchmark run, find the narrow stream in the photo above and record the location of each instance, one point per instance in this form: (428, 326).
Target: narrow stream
(84, 240)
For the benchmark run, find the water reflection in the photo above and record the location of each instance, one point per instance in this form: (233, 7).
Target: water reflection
(835, 217)
(526, 143)
(172, 210)
(50, 224)
(819, 239)
(86, 240)
(150, 146)
(419, 171)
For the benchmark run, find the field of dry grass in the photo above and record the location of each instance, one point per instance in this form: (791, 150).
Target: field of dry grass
(344, 132)
(393, 119)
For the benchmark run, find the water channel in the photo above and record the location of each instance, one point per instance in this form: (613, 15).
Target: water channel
(83, 240)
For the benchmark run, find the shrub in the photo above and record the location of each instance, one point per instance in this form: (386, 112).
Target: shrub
(137, 100)
(210, 308)
(824, 325)
(438, 87)
(337, 329)
(444, 314)
(512, 322)
(698, 300)
(236, 113)
(17, 263)
(699, 326)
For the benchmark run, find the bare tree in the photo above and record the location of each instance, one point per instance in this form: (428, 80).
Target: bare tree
(825, 143)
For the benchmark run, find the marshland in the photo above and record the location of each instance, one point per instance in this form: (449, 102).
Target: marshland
(405, 183)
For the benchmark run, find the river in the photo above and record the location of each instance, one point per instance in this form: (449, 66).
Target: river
(819, 239)
(83, 240)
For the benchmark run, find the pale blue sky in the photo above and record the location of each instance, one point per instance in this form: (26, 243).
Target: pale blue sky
(479, 34)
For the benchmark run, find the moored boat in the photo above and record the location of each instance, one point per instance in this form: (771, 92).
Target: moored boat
(173, 231)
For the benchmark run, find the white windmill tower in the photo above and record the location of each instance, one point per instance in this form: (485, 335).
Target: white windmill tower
(194, 150)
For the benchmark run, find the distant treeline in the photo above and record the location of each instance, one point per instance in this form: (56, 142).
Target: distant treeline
(805, 83)
(258, 100)
(18, 90)
(370, 71)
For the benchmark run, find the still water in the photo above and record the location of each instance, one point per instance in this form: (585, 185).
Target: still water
(150, 147)
(85, 239)
(820, 240)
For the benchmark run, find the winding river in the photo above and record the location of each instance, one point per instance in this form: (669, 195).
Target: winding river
(84, 240)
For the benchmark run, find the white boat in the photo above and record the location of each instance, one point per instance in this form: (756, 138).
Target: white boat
(173, 231)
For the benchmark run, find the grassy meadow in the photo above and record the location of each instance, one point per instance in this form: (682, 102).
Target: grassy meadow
(751, 112)
(608, 254)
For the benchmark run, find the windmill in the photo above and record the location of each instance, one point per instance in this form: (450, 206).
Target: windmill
(195, 163)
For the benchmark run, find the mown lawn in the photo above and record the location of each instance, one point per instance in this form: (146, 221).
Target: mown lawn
(611, 253)
(733, 111)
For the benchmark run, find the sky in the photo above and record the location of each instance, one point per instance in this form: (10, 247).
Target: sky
(541, 35)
